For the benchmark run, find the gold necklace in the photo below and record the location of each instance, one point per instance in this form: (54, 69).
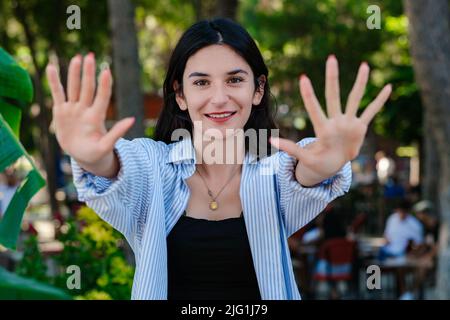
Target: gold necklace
(214, 205)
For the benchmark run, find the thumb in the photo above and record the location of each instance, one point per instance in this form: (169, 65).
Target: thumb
(117, 131)
(287, 146)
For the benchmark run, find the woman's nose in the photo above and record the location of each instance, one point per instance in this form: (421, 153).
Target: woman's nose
(219, 95)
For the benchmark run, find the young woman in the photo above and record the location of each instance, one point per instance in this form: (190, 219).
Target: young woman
(201, 227)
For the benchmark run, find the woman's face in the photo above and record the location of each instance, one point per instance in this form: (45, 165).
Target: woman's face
(218, 89)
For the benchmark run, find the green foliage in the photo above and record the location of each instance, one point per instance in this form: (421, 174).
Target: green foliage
(294, 37)
(92, 245)
(401, 118)
(150, 132)
(297, 37)
(32, 264)
(48, 35)
(159, 26)
(96, 248)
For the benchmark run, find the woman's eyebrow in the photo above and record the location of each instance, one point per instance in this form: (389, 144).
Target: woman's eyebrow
(198, 74)
(201, 74)
(236, 71)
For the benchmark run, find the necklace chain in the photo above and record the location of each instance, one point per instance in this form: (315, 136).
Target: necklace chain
(214, 205)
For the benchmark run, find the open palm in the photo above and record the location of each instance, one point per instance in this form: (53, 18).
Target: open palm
(79, 119)
(340, 135)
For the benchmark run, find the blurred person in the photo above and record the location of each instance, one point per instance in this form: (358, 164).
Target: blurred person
(333, 223)
(385, 166)
(8, 189)
(403, 232)
(336, 255)
(426, 254)
(393, 189)
(424, 213)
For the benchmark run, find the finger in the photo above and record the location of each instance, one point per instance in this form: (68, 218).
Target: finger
(287, 146)
(116, 132)
(56, 87)
(73, 79)
(357, 93)
(375, 106)
(103, 96)
(312, 105)
(88, 81)
(332, 95)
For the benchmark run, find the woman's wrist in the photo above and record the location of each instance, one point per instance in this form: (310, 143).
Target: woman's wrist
(306, 177)
(107, 167)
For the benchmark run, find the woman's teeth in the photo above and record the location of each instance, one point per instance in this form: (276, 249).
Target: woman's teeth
(218, 116)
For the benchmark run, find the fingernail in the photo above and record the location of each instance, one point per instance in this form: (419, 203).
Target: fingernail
(274, 140)
(331, 56)
(104, 66)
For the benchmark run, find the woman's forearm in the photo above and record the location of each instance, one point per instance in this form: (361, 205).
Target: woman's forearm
(307, 177)
(107, 167)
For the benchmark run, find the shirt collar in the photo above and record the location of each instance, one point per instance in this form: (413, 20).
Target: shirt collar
(183, 151)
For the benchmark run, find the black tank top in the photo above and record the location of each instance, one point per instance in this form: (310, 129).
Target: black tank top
(210, 260)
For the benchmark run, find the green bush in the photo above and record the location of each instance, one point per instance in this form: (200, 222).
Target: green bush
(97, 249)
(92, 245)
(32, 264)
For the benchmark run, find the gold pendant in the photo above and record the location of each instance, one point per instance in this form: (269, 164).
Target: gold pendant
(213, 205)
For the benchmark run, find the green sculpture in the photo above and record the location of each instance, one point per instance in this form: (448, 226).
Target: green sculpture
(16, 92)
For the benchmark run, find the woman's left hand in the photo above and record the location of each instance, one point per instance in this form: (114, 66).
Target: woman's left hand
(340, 135)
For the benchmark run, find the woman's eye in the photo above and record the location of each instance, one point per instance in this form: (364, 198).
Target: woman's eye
(200, 82)
(236, 80)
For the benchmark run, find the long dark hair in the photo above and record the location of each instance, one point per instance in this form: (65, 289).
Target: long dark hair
(202, 34)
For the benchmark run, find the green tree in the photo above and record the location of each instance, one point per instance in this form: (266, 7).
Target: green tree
(34, 38)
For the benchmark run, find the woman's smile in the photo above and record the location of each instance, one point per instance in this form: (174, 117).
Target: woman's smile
(219, 117)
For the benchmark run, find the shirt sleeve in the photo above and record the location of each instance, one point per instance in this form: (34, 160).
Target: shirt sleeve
(299, 205)
(418, 233)
(124, 200)
(389, 227)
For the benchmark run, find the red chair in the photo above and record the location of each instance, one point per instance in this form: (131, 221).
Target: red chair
(335, 260)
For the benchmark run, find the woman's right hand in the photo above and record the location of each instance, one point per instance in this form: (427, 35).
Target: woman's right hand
(79, 117)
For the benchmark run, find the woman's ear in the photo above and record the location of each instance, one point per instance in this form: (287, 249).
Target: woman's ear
(179, 96)
(259, 92)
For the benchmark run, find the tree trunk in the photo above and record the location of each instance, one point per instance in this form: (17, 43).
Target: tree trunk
(227, 8)
(430, 48)
(204, 9)
(127, 71)
(430, 159)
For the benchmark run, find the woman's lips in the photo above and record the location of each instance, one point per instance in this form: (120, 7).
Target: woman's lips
(221, 119)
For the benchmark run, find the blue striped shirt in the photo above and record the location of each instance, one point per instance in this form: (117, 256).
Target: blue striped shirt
(149, 195)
